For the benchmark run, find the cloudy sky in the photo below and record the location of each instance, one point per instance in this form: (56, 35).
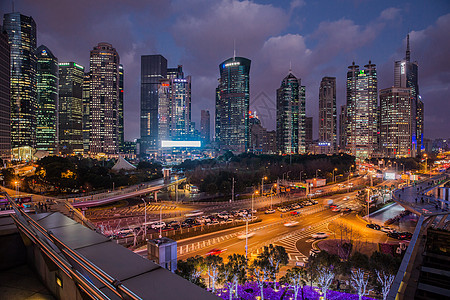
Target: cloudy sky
(319, 38)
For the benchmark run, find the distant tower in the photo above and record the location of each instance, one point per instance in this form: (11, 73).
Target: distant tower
(327, 111)
(120, 108)
(5, 101)
(291, 116)
(21, 31)
(86, 101)
(153, 69)
(233, 104)
(47, 76)
(343, 128)
(406, 76)
(362, 111)
(70, 112)
(205, 127)
(104, 104)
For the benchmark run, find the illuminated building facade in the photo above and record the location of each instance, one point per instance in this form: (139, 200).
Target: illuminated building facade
(362, 111)
(21, 31)
(308, 130)
(232, 129)
(104, 100)
(47, 78)
(205, 126)
(121, 94)
(406, 76)
(396, 122)
(327, 111)
(5, 101)
(70, 112)
(153, 69)
(86, 90)
(343, 128)
(164, 110)
(291, 132)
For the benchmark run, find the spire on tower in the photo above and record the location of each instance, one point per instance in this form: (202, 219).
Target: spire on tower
(234, 50)
(290, 66)
(408, 53)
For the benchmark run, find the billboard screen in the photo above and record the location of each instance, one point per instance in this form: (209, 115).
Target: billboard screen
(180, 144)
(389, 176)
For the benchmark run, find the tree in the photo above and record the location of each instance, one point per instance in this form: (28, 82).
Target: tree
(360, 283)
(234, 272)
(296, 278)
(276, 256)
(261, 270)
(212, 264)
(324, 278)
(191, 269)
(385, 280)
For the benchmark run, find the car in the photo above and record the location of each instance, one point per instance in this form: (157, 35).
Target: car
(229, 220)
(346, 209)
(373, 226)
(332, 205)
(394, 235)
(314, 202)
(282, 209)
(294, 213)
(319, 235)
(158, 225)
(215, 251)
(270, 211)
(336, 209)
(243, 235)
(405, 235)
(314, 252)
(214, 222)
(223, 215)
(291, 223)
(319, 191)
(387, 229)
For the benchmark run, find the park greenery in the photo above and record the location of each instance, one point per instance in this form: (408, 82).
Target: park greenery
(216, 175)
(324, 275)
(73, 174)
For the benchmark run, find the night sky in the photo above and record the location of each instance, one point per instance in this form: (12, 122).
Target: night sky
(320, 38)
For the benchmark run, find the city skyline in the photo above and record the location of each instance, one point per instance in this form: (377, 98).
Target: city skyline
(366, 30)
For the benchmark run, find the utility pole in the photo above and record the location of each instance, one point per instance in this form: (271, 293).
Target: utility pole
(232, 191)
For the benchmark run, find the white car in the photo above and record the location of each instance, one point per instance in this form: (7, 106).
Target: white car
(158, 225)
(243, 235)
(319, 235)
(290, 223)
(387, 229)
(223, 215)
(270, 211)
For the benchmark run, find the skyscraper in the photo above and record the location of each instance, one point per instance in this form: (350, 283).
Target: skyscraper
(205, 127)
(104, 100)
(406, 76)
(5, 102)
(308, 130)
(70, 112)
(343, 128)
(291, 133)
(121, 94)
(86, 89)
(396, 122)
(164, 110)
(21, 31)
(180, 98)
(362, 108)
(47, 78)
(327, 111)
(233, 104)
(153, 69)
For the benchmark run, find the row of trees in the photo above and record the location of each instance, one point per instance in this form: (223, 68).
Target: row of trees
(215, 175)
(364, 273)
(77, 174)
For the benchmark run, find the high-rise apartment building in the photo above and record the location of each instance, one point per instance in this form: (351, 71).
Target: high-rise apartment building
(291, 133)
(406, 76)
(121, 129)
(47, 78)
(21, 32)
(104, 100)
(362, 111)
(327, 111)
(343, 128)
(5, 101)
(396, 122)
(205, 127)
(153, 69)
(70, 112)
(232, 105)
(86, 90)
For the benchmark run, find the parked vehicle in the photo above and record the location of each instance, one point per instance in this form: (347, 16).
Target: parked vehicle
(158, 225)
(319, 235)
(373, 226)
(270, 211)
(387, 229)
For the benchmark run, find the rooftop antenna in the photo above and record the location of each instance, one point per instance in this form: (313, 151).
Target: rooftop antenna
(408, 53)
(290, 66)
(234, 50)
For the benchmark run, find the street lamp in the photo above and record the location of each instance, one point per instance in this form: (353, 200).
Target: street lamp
(145, 217)
(17, 188)
(176, 189)
(334, 178)
(246, 227)
(348, 180)
(317, 171)
(262, 185)
(368, 201)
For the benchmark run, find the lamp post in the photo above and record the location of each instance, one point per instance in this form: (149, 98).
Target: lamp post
(317, 171)
(145, 217)
(17, 188)
(176, 189)
(334, 178)
(160, 221)
(246, 227)
(262, 185)
(368, 201)
(348, 181)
